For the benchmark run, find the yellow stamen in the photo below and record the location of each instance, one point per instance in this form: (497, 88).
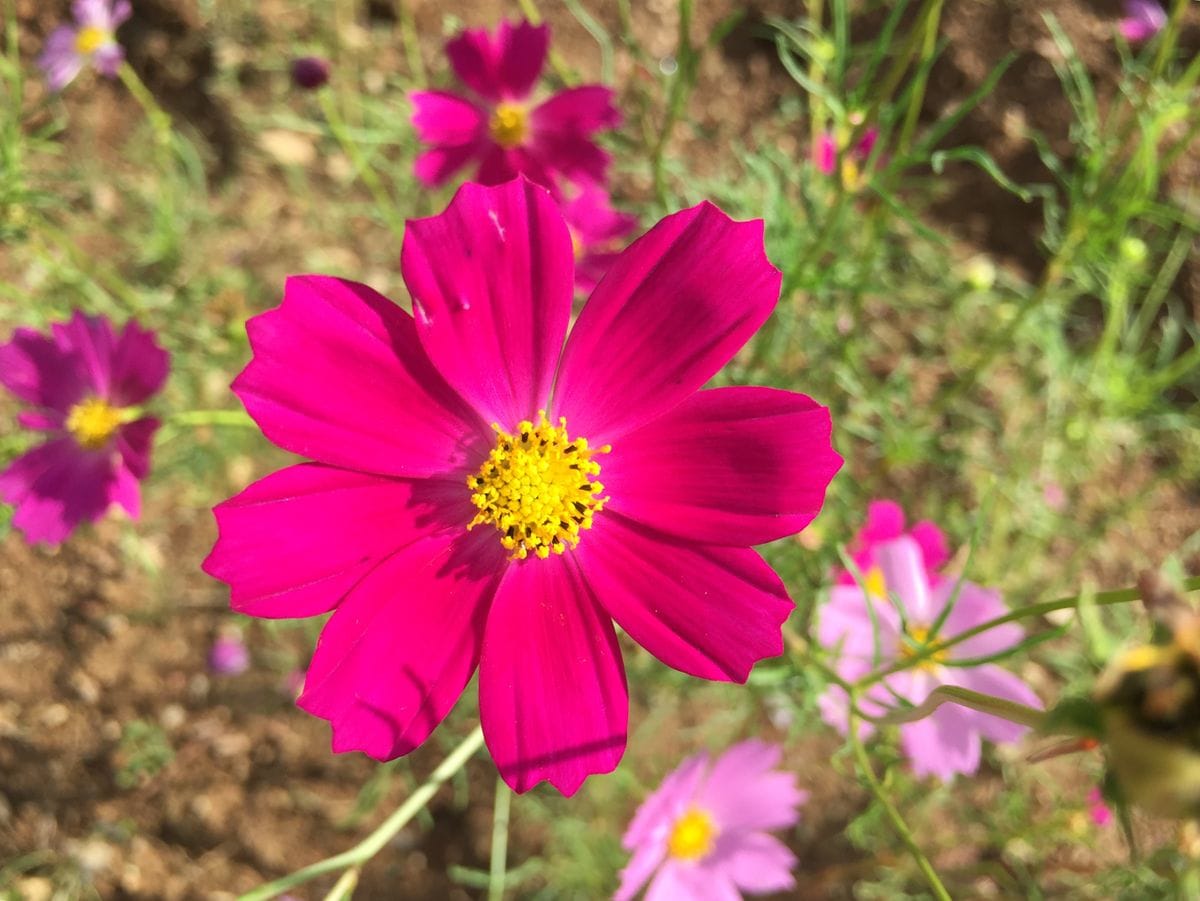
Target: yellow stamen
(509, 125)
(693, 835)
(918, 638)
(538, 488)
(874, 583)
(90, 39)
(92, 422)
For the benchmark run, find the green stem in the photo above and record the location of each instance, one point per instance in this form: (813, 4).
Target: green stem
(893, 815)
(684, 73)
(211, 417)
(1007, 710)
(159, 120)
(919, 655)
(499, 861)
(374, 843)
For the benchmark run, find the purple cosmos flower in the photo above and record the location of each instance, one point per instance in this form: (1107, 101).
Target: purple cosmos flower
(703, 834)
(596, 233)
(84, 382)
(493, 487)
(1143, 20)
(228, 655)
(310, 72)
(499, 127)
(885, 522)
(92, 39)
(825, 156)
(907, 604)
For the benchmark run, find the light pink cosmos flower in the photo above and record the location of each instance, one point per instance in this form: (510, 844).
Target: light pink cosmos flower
(907, 605)
(499, 127)
(85, 384)
(229, 655)
(485, 497)
(92, 39)
(825, 155)
(703, 834)
(596, 232)
(1098, 808)
(1143, 20)
(886, 522)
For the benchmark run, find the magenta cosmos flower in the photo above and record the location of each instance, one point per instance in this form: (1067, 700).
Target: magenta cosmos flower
(703, 834)
(825, 156)
(485, 497)
(85, 384)
(596, 231)
(499, 127)
(907, 605)
(1143, 20)
(886, 522)
(92, 39)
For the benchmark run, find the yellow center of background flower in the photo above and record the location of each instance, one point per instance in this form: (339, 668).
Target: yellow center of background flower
(92, 422)
(509, 125)
(918, 638)
(538, 488)
(90, 39)
(874, 584)
(692, 836)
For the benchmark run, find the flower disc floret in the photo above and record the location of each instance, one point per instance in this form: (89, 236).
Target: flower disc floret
(538, 488)
(509, 125)
(693, 835)
(92, 422)
(90, 39)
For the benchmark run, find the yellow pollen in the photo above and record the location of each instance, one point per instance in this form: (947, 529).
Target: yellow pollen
(538, 488)
(576, 244)
(918, 638)
(692, 836)
(874, 583)
(508, 125)
(92, 422)
(91, 39)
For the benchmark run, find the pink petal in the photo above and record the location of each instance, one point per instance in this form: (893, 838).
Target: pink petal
(575, 157)
(674, 307)
(92, 342)
(973, 607)
(666, 803)
(59, 59)
(138, 366)
(885, 522)
(685, 881)
(846, 622)
(932, 543)
(593, 220)
(398, 651)
(447, 120)
(824, 153)
(55, 487)
(641, 867)
(580, 111)
(904, 575)
(294, 543)
(552, 693)
(41, 422)
(735, 466)
(505, 67)
(37, 370)
(942, 744)
(134, 441)
(708, 611)
(491, 281)
(437, 166)
(744, 791)
(338, 375)
(993, 680)
(755, 861)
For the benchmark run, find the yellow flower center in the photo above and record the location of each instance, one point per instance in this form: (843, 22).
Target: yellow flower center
(874, 583)
(91, 39)
(509, 125)
(538, 488)
(92, 422)
(692, 836)
(917, 638)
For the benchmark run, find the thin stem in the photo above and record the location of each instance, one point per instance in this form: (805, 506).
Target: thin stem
(211, 417)
(928, 46)
(684, 73)
(370, 178)
(499, 861)
(374, 843)
(919, 655)
(893, 815)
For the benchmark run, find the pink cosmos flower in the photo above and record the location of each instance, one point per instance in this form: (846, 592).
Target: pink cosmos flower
(703, 834)
(499, 127)
(1143, 20)
(1098, 809)
(907, 605)
(92, 39)
(596, 233)
(825, 155)
(229, 655)
(485, 497)
(885, 522)
(85, 384)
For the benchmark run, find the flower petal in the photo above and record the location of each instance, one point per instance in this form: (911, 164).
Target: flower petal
(138, 366)
(134, 441)
(491, 280)
(973, 606)
(576, 111)
(674, 307)
(446, 119)
(293, 544)
(55, 487)
(942, 744)
(552, 693)
(339, 376)
(708, 611)
(755, 861)
(437, 166)
(666, 803)
(500, 68)
(904, 576)
(736, 466)
(39, 371)
(677, 881)
(641, 867)
(993, 680)
(398, 651)
(744, 791)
